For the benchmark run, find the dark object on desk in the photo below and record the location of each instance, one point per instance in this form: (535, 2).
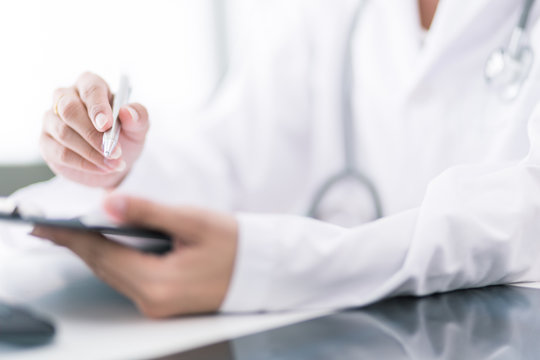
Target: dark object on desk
(15, 177)
(495, 322)
(20, 327)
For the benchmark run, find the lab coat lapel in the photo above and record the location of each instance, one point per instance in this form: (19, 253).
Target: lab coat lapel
(452, 20)
(399, 25)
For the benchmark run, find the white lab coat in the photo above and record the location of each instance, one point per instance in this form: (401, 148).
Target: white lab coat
(457, 169)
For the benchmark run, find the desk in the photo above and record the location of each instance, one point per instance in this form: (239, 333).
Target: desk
(498, 322)
(95, 322)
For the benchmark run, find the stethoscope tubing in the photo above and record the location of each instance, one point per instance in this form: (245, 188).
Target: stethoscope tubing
(339, 177)
(350, 170)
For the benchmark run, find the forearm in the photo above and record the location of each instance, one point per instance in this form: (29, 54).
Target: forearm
(476, 227)
(289, 262)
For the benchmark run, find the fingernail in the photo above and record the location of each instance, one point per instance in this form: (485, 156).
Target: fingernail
(121, 167)
(117, 204)
(134, 114)
(110, 164)
(116, 153)
(114, 165)
(101, 120)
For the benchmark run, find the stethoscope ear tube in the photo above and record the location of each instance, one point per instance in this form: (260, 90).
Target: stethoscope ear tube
(524, 18)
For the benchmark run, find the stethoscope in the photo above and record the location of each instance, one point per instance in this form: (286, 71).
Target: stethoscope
(505, 71)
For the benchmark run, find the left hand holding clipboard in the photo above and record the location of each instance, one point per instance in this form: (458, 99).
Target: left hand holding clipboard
(192, 278)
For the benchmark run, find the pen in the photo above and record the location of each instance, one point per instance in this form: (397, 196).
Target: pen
(110, 137)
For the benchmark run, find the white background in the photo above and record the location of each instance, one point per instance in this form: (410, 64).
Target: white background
(167, 47)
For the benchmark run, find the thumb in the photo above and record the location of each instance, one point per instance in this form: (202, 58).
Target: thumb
(134, 120)
(186, 223)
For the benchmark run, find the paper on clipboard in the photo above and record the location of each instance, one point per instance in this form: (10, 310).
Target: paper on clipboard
(146, 240)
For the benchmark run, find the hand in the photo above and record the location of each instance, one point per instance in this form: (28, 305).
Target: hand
(71, 137)
(192, 278)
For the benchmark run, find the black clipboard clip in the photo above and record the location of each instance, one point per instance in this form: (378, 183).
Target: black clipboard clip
(146, 240)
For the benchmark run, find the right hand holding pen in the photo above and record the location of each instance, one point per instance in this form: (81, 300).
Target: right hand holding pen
(71, 138)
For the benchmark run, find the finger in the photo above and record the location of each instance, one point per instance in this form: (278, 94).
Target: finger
(70, 139)
(56, 153)
(72, 111)
(134, 119)
(186, 222)
(95, 94)
(123, 268)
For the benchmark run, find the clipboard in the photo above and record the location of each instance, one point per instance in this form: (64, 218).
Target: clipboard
(146, 240)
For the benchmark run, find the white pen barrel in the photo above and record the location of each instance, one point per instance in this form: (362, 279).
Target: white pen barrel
(121, 98)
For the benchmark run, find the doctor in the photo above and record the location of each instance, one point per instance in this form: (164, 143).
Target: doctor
(446, 147)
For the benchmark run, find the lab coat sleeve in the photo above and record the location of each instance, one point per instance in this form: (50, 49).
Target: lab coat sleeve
(251, 143)
(237, 153)
(477, 225)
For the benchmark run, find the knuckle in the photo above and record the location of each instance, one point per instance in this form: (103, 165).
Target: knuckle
(136, 211)
(59, 92)
(156, 294)
(93, 156)
(63, 132)
(69, 108)
(64, 156)
(155, 300)
(154, 312)
(90, 91)
(79, 162)
(148, 311)
(86, 75)
(93, 137)
(89, 167)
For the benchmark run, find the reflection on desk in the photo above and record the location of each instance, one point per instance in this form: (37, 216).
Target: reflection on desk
(495, 322)
(95, 322)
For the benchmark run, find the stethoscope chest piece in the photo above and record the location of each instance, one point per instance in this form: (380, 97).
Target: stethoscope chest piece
(506, 73)
(507, 68)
